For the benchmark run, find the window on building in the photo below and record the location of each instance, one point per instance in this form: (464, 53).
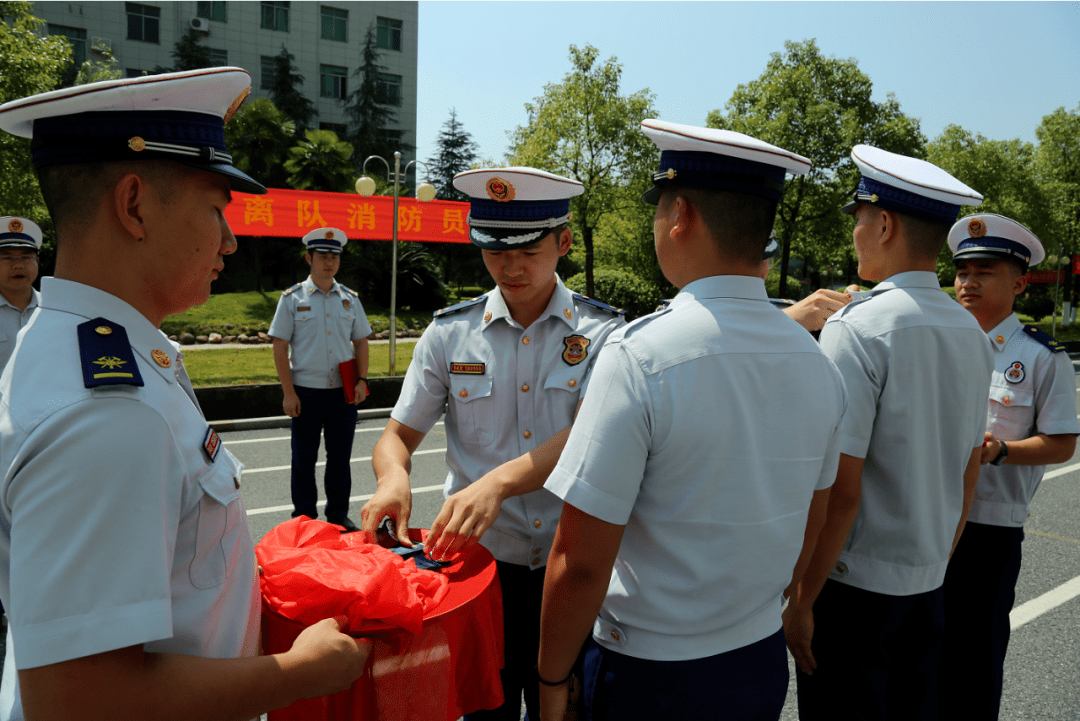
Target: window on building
(332, 81)
(388, 138)
(77, 38)
(275, 15)
(211, 10)
(267, 71)
(388, 33)
(388, 89)
(217, 58)
(143, 22)
(341, 130)
(334, 24)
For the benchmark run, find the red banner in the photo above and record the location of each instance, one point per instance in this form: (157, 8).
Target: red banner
(1076, 264)
(1045, 276)
(293, 213)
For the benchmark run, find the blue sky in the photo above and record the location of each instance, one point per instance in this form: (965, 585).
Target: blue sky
(994, 68)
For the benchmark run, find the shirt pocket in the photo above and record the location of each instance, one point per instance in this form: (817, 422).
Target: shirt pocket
(1011, 412)
(569, 379)
(218, 521)
(474, 408)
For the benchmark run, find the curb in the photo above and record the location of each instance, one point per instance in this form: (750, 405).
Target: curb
(255, 424)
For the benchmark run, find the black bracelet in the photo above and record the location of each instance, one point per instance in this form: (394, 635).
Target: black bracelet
(549, 683)
(361, 378)
(1002, 454)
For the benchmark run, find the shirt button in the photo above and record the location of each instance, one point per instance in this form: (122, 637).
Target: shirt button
(615, 635)
(1000, 339)
(536, 523)
(529, 435)
(464, 393)
(236, 481)
(536, 561)
(573, 382)
(536, 551)
(1006, 400)
(525, 340)
(525, 388)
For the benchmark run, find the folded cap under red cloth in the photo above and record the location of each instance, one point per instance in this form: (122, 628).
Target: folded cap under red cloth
(311, 571)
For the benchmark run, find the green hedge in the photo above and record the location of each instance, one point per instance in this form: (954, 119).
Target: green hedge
(621, 289)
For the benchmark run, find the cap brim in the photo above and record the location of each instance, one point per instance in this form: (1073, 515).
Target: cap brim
(985, 254)
(652, 195)
(17, 244)
(238, 181)
(849, 209)
(505, 238)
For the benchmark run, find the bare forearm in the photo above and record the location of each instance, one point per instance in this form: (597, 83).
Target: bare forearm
(281, 365)
(815, 521)
(971, 478)
(1040, 450)
(361, 353)
(572, 599)
(528, 473)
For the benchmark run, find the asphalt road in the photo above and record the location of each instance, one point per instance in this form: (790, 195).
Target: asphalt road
(1042, 675)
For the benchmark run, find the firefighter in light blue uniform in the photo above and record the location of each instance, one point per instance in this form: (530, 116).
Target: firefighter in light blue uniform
(20, 241)
(1031, 421)
(510, 368)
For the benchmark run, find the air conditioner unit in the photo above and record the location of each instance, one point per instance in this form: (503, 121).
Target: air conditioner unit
(98, 45)
(200, 24)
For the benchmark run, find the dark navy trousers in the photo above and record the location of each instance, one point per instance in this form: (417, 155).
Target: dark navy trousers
(877, 656)
(323, 412)
(746, 684)
(980, 587)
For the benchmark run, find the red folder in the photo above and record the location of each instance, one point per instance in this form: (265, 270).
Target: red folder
(348, 379)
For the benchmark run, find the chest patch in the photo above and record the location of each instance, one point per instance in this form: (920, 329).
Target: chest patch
(576, 349)
(470, 369)
(345, 304)
(1015, 372)
(303, 308)
(211, 444)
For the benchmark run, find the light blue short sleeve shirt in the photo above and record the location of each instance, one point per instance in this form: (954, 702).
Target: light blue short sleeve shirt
(1033, 390)
(506, 389)
(917, 367)
(706, 430)
(117, 527)
(320, 328)
(12, 321)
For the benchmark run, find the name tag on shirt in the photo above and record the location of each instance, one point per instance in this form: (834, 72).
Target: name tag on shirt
(303, 308)
(473, 369)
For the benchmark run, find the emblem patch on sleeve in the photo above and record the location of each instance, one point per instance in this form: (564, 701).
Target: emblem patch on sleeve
(211, 444)
(1015, 373)
(576, 349)
(472, 369)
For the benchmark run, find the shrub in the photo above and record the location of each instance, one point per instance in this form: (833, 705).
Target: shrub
(772, 287)
(621, 289)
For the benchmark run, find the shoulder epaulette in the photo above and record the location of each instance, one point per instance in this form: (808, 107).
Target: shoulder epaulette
(597, 304)
(782, 302)
(1045, 338)
(458, 307)
(349, 290)
(293, 289)
(106, 355)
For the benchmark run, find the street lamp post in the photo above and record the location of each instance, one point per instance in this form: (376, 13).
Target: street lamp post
(425, 192)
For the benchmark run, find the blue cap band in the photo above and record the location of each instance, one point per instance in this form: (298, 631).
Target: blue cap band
(901, 201)
(322, 243)
(17, 236)
(521, 211)
(992, 245)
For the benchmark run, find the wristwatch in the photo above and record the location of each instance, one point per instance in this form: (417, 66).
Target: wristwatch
(1002, 455)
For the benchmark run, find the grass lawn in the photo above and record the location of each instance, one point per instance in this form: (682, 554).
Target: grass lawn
(238, 366)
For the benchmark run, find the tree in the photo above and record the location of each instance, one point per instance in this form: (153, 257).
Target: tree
(585, 129)
(29, 64)
(285, 93)
(456, 151)
(258, 136)
(818, 107)
(320, 162)
(368, 111)
(1058, 170)
(96, 71)
(189, 53)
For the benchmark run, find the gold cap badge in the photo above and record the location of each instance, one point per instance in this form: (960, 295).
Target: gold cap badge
(500, 190)
(976, 228)
(161, 358)
(671, 173)
(15, 225)
(103, 330)
(137, 144)
(235, 105)
(329, 235)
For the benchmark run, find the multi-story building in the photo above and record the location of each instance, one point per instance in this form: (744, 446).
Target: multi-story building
(327, 40)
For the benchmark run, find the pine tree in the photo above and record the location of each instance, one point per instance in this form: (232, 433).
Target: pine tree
(456, 152)
(369, 113)
(286, 94)
(189, 53)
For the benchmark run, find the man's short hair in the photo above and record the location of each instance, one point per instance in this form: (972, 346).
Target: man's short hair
(74, 192)
(925, 237)
(740, 224)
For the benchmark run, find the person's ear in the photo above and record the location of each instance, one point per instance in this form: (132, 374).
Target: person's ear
(307, 257)
(565, 240)
(683, 217)
(130, 196)
(1020, 284)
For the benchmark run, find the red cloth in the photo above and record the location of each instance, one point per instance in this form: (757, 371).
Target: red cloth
(349, 376)
(312, 571)
(448, 669)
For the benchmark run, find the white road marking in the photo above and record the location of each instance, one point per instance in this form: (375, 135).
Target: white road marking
(1046, 602)
(268, 469)
(289, 438)
(365, 497)
(1061, 471)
